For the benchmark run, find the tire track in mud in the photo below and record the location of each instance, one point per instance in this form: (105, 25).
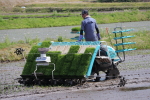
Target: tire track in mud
(133, 83)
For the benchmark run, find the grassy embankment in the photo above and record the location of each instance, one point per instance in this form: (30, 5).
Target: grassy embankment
(71, 19)
(66, 14)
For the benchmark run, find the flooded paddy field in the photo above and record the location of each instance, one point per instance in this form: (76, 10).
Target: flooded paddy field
(135, 70)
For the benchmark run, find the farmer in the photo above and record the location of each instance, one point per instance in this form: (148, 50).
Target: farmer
(88, 25)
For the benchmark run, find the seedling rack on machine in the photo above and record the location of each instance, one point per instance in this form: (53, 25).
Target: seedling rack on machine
(119, 30)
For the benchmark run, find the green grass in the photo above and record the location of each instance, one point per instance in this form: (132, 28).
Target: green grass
(39, 22)
(126, 16)
(8, 43)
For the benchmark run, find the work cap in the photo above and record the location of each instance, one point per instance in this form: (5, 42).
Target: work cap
(84, 12)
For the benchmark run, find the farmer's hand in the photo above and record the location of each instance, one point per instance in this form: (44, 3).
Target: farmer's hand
(98, 36)
(80, 38)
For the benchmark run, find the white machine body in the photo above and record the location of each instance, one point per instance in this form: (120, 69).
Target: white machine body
(43, 59)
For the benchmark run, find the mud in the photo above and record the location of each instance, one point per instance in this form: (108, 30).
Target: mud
(135, 70)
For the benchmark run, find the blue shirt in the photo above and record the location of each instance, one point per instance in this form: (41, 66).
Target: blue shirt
(89, 25)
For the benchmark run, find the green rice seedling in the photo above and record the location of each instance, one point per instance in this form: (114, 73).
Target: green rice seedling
(68, 60)
(74, 49)
(45, 44)
(43, 69)
(59, 64)
(85, 61)
(60, 39)
(31, 60)
(27, 68)
(89, 50)
(54, 55)
(47, 70)
(71, 56)
(31, 64)
(75, 64)
(33, 53)
(65, 68)
(67, 64)
(76, 29)
(84, 64)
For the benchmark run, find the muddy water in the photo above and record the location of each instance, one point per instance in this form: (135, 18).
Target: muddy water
(111, 94)
(136, 70)
(55, 32)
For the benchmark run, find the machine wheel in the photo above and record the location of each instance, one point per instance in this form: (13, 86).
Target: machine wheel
(97, 79)
(27, 82)
(112, 73)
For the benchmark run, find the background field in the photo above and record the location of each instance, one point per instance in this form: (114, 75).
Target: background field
(34, 5)
(13, 3)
